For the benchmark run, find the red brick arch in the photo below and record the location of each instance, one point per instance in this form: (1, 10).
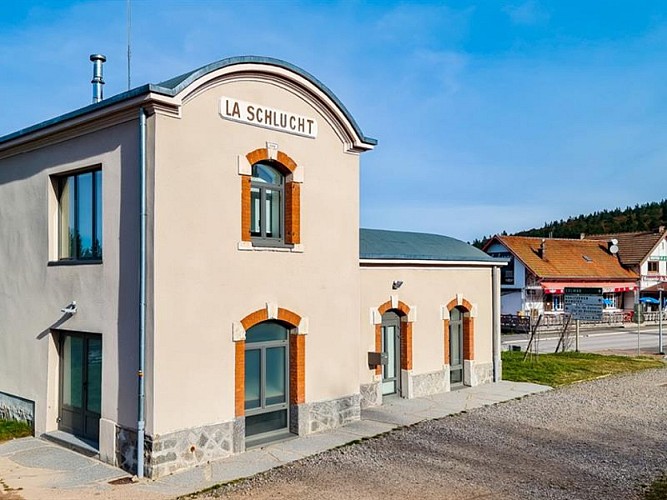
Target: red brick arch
(297, 358)
(292, 197)
(468, 330)
(402, 310)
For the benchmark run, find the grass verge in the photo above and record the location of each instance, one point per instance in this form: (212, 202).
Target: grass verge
(569, 367)
(10, 429)
(657, 490)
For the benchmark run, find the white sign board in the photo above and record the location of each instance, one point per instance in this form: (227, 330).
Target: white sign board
(263, 116)
(584, 304)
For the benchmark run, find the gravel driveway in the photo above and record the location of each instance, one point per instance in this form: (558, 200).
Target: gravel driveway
(595, 440)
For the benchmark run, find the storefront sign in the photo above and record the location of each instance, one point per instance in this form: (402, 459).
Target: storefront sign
(654, 277)
(262, 116)
(659, 258)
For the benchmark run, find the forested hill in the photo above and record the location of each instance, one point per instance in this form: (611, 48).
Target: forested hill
(647, 217)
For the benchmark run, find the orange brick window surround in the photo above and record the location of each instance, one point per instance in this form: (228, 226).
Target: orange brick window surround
(468, 330)
(292, 195)
(406, 334)
(297, 359)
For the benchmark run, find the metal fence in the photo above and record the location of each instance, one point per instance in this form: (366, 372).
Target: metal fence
(512, 323)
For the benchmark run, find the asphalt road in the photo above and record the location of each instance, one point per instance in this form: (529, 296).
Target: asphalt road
(613, 339)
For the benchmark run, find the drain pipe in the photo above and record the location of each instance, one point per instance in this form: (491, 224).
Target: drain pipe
(495, 307)
(141, 422)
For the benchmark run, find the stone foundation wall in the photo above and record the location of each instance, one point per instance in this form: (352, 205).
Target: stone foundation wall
(164, 454)
(371, 395)
(308, 418)
(16, 408)
(430, 383)
(477, 373)
(483, 373)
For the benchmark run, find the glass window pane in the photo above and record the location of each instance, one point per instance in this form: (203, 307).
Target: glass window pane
(97, 242)
(275, 376)
(265, 422)
(390, 349)
(455, 314)
(265, 173)
(252, 378)
(94, 382)
(255, 213)
(273, 209)
(67, 212)
(455, 342)
(265, 332)
(85, 214)
(456, 376)
(72, 371)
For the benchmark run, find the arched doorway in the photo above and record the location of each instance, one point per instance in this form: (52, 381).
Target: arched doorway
(456, 365)
(266, 382)
(391, 346)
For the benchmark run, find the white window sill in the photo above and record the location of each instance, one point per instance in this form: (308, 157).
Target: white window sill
(248, 246)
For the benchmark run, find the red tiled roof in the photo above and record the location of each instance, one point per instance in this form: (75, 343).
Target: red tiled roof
(633, 247)
(566, 258)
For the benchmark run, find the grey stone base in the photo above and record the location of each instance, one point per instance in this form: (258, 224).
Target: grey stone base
(164, 454)
(483, 373)
(477, 373)
(17, 408)
(371, 395)
(430, 383)
(308, 418)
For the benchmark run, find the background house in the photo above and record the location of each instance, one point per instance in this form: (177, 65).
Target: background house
(645, 253)
(540, 268)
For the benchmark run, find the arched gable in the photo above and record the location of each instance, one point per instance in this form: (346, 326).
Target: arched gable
(291, 77)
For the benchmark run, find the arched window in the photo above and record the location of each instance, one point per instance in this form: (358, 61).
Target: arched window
(267, 204)
(270, 200)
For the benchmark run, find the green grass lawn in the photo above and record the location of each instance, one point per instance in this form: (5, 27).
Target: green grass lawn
(569, 367)
(10, 429)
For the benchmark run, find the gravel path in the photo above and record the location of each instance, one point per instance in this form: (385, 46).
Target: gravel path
(595, 440)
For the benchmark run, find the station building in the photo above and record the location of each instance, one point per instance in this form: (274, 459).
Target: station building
(184, 262)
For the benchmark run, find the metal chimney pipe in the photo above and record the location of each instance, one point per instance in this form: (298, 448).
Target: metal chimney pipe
(97, 80)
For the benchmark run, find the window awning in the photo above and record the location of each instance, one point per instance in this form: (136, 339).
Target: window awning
(607, 286)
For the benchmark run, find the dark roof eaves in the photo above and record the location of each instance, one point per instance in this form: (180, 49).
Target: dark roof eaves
(144, 89)
(404, 257)
(172, 91)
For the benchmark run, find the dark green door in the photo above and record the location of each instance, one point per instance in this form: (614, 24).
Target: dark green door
(266, 383)
(81, 384)
(391, 345)
(456, 347)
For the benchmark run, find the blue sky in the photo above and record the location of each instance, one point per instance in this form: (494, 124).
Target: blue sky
(490, 115)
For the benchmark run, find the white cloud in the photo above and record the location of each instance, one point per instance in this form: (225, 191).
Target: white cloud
(527, 13)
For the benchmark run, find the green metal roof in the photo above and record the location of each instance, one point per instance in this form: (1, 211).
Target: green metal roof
(400, 245)
(175, 85)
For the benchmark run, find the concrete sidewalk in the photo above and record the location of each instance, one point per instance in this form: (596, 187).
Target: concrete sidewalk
(32, 468)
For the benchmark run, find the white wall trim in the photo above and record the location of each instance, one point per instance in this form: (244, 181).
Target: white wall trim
(244, 165)
(238, 332)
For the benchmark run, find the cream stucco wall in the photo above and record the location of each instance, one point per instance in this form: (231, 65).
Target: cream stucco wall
(203, 282)
(427, 290)
(32, 293)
